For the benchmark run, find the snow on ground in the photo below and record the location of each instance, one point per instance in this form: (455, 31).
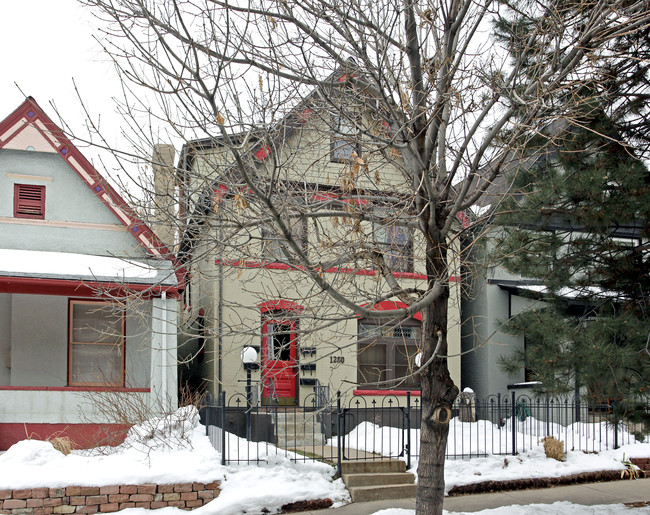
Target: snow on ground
(175, 449)
(484, 437)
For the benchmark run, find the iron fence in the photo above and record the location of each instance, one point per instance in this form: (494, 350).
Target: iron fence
(389, 427)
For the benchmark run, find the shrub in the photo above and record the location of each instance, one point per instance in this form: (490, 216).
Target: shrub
(553, 448)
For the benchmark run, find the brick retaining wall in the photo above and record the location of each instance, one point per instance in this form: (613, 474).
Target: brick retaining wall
(105, 499)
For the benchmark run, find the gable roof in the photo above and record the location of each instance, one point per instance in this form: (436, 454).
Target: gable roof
(29, 123)
(30, 120)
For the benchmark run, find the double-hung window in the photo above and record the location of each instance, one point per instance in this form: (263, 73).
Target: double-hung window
(275, 246)
(396, 245)
(96, 343)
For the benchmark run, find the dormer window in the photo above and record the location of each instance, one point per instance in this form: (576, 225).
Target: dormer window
(29, 201)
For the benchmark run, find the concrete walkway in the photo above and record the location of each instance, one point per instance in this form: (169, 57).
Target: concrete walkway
(589, 494)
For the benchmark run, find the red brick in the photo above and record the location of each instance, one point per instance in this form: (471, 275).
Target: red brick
(96, 499)
(110, 489)
(53, 501)
(141, 498)
(56, 492)
(34, 503)
(112, 506)
(89, 490)
(213, 486)
(189, 496)
(206, 494)
(125, 505)
(176, 504)
(22, 494)
(158, 504)
(194, 504)
(11, 504)
(146, 505)
(40, 493)
(198, 486)
(118, 498)
(73, 490)
(77, 500)
(165, 489)
(5, 494)
(129, 489)
(183, 487)
(147, 489)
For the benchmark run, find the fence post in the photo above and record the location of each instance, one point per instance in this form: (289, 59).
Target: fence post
(223, 427)
(408, 430)
(548, 417)
(338, 433)
(514, 425)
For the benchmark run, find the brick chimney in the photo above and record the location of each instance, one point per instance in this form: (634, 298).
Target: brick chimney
(165, 220)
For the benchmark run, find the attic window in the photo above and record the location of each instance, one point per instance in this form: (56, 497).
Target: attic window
(29, 201)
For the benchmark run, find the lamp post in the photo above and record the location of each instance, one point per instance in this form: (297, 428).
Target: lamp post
(249, 359)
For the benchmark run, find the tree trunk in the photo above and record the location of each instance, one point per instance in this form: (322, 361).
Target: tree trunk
(438, 394)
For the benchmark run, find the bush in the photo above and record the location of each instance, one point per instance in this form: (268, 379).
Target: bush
(553, 448)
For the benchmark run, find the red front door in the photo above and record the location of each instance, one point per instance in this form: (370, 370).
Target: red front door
(279, 365)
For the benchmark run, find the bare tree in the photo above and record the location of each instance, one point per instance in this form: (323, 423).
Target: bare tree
(417, 107)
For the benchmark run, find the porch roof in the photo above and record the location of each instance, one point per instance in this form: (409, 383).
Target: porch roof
(49, 268)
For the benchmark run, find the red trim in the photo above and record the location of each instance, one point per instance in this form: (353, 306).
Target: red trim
(280, 305)
(119, 389)
(282, 266)
(83, 436)
(384, 393)
(263, 152)
(32, 112)
(66, 287)
(388, 305)
(464, 219)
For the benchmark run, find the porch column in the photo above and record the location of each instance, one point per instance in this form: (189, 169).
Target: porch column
(164, 391)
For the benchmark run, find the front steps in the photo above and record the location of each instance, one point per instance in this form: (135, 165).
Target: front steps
(377, 480)
(643, 464)
(298, 429)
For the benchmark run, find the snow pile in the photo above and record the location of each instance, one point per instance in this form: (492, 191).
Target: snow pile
(174, 449)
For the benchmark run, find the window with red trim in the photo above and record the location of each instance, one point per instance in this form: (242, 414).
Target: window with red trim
(386, 353)
(96, 332)
(29, 201)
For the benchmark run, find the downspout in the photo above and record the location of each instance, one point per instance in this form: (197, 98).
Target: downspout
(220, 315)
(164, 399)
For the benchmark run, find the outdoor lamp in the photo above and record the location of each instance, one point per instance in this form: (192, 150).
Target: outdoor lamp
(249, 358)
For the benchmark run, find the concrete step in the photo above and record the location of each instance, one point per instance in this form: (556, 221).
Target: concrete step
(384, 478)
(372, 466)
(382, 492)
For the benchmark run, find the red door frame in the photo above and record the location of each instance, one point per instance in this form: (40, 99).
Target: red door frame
(280, 376)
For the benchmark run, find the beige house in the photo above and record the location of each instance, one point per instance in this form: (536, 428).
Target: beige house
(345, 206)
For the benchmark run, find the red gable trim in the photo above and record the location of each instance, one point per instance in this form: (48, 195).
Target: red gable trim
(30, 113)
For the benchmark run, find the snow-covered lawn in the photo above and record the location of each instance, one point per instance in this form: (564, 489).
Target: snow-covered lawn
(175, 449)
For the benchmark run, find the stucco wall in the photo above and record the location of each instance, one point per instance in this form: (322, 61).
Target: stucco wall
(68, 201)
(39, 340)
(5, 339)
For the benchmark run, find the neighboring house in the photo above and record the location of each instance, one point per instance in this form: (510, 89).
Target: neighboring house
(495, 296)
(88, 294)
(245, 289)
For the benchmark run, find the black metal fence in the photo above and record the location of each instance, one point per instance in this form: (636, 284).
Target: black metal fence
(388, 427)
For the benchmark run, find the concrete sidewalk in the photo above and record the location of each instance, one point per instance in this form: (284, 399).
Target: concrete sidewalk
(589, 494)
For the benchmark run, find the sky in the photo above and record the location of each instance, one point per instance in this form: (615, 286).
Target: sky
(47, 48)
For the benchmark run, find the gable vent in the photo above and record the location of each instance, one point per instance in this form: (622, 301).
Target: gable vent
(29, 201)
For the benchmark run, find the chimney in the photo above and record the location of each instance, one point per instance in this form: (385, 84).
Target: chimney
(164, 215)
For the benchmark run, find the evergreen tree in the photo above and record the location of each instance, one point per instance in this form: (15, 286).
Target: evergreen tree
(577, 224)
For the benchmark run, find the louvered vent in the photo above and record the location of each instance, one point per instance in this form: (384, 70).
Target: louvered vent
(29, 201)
